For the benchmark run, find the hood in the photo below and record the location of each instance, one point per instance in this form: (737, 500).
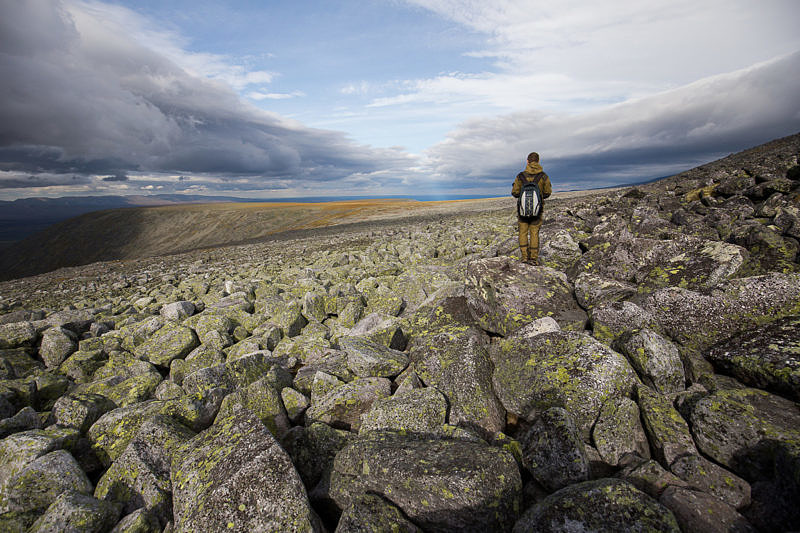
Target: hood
(533, 168)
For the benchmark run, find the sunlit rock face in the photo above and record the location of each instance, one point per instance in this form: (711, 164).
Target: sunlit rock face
(412, 371)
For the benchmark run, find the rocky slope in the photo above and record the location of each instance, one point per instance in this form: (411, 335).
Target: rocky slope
(415, 375)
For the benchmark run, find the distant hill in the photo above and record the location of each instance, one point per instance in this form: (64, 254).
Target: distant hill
(26, 216)
(150, 231)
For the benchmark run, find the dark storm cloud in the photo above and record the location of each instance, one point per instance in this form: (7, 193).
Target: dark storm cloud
(80, 96)
(640, 139)
(116, 177)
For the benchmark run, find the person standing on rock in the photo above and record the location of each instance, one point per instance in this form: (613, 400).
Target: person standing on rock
(529, 226)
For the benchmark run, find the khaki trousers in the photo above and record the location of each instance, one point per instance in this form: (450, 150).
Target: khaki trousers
(529, 237)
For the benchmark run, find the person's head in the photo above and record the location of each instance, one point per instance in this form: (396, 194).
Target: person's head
(533, 157)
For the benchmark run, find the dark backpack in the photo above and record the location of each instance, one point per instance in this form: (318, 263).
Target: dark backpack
(529, 203)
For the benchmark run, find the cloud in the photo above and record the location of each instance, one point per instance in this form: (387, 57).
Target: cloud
(116, 177)
(81, 95)
(643, 138)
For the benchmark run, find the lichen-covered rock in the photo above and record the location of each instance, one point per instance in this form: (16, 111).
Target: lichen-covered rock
(295, 403)
(698, 511)
(618, 431)
(73, 511)
(448, 352)
(699, 321)
(124, 390)
(16, 363)
(603, 506)
(610, 321)
(289, 317)
(684, 261)
(177, 311)
(135, 334)
(553, 452)
(17, 335)
(559, 369)
(18, 451)
(230, 375)
(666, 429)
(81, 366)
(313, 449)
(343, 406)
(264, 401)
(25, 419)
(212, 328)
(236, 477)
(36, 485)
(766, 358)
(332, 362)
(81, 410)
(701, 474)
(57, 345)
(655, 359)
(592, 290)
(504, 294)
(369, 359)
(414, 411)
(439, 484)
(204, 356)
(140, 477)
(742, 429)
(369, 512)
(139, 521)
(650, 477)
(172, 341)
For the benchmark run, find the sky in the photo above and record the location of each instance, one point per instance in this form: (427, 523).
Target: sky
(261, 98)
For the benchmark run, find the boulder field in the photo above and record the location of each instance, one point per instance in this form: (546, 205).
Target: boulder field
(416, 376)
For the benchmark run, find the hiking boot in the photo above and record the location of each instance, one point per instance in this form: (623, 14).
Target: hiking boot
(533, 261)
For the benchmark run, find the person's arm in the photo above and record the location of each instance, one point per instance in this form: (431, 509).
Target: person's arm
(517, 187)
(547, 189)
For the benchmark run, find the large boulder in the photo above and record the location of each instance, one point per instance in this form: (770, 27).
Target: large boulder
(742, 429)
(655, 359)
(698, 511)
(618, 431)
(37, 485)
(504, 294)
(57, 345)
(602, 506)
(559, 369)
(448, 352)
(439, 484)
(74, 511)
(140, 477)
(701, 474)
(686, 262)
(343, 406)
(765, 358)
(414, 411)
(666, 429)
(172, 341)
(236, 477)
(17, 335)
(369, 359)
(263, 400)
(369, 512)
(698, 320)
(553, 452)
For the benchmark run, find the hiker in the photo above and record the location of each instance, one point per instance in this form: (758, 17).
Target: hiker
(530, 188)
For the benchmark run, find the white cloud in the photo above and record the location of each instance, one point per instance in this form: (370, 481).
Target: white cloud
(642, 138)
(579, 54)
(258, 96)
